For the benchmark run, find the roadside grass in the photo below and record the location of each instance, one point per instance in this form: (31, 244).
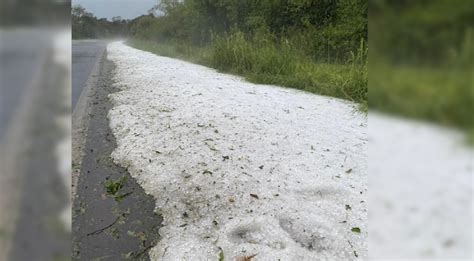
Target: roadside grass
(268, 63)
(442, 94)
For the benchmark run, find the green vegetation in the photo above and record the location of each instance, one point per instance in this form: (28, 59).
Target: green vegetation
(421, 60)
(221, 255)
(86, 25)
(355, 230)
(444, 95)
(113, 187)
(316, 46)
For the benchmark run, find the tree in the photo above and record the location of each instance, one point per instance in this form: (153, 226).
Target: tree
(86, 25)
(116, 19)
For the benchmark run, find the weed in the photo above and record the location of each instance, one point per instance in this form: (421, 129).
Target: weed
(356, 230)
(221, 255)
(113, 187)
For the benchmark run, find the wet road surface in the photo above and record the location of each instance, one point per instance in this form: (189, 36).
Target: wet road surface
(113, 218)
(84, 57)
(20, 61)
(32, 88)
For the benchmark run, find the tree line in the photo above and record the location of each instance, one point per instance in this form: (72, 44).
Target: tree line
(323, 30)
(86, 25)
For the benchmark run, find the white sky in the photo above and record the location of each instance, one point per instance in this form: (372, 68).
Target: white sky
(127, 9)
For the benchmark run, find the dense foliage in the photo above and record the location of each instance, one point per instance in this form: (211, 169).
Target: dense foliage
(421, 32)
(86, 25)
(318, 46)
(421, 60)
(327, 30)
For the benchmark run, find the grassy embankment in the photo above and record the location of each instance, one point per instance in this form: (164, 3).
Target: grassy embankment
(438, 94)
(442, 95)
(270, 63)
(315, 46)
(421, 61)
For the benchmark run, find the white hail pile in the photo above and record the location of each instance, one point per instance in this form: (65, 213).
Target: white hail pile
(420, 191)
(239, 169)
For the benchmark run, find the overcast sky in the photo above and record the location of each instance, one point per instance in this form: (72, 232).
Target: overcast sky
(127, 9)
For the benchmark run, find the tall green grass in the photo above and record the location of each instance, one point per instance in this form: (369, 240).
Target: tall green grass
(268, 61)
(441, 92)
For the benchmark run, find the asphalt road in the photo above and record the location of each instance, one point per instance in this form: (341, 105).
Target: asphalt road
(39, 233)
(105, 225)
(32, 101)
(20, 61)
(84, 57)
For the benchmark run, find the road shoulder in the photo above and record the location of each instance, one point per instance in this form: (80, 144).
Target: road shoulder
(80, 121)
(113, 218)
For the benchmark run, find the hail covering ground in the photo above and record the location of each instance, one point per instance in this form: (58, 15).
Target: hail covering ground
(239, 169)
(420, 191)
